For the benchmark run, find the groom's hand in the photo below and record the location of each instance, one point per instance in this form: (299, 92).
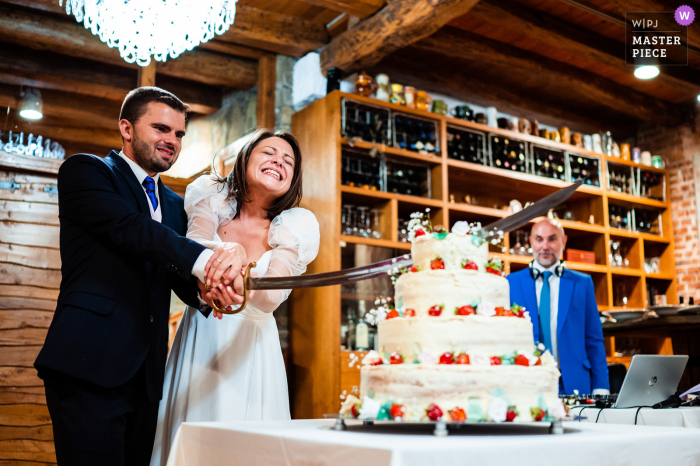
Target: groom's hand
(225, 264)
(226, 297)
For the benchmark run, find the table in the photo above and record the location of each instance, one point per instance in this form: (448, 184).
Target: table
(311, 442)
(675, 417)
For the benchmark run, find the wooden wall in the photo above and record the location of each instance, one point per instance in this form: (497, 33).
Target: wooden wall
(29, 280)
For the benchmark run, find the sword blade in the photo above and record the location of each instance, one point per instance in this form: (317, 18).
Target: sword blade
(331, 278)
(535, 210)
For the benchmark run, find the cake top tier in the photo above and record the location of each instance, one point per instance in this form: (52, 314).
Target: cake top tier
(449, 251)
(435, 248)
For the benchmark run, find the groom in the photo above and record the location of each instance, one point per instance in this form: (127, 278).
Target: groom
(122, 251)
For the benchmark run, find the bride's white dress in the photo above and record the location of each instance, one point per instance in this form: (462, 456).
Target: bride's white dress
(232, 369)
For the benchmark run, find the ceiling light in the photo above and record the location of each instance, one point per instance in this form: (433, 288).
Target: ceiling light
(141, 28)
(30, 105)
(646, 72)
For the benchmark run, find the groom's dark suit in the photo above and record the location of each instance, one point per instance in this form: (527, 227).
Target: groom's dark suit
(103, 361)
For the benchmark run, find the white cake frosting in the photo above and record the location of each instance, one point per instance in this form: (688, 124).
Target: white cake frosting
(451, 288)
(478, 364)
(453, 250)
(489, 336)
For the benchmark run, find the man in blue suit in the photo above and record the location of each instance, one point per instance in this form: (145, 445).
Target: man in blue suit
(564, 312)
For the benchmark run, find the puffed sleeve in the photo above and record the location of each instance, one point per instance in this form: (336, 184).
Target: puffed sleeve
(207, 209)
(294, 237)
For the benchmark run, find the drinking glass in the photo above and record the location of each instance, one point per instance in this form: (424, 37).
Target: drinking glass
(349, 219)
(362, 221)
(376, 227)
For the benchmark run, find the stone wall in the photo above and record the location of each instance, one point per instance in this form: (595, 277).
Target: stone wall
(680, 148)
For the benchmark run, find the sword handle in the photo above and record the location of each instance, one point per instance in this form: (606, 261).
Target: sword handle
(246, 293)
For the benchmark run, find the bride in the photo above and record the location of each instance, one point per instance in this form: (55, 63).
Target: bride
(232, 369)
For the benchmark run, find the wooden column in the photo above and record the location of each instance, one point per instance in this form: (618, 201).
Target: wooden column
(267, 78)
(147, 74)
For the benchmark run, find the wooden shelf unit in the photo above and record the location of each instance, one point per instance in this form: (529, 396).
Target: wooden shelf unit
(319, 367)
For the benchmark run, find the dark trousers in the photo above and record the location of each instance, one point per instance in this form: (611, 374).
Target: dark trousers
(95, 425)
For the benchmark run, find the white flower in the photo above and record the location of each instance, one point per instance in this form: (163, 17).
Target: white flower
(479, 360)
(371, 358)
(428, 357)
(347, 405)
(486, 309)
(370, 408)
(461, 228)
(531, 358)
(556, 410)
(497, 410)
(547, 359)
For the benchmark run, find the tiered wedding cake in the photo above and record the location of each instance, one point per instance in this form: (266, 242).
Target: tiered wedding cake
(453, 348)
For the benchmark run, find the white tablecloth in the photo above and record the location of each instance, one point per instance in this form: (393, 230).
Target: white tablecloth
(675, 417)
(310, 442)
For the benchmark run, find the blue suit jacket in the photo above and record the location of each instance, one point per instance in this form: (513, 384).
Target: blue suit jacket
(582, 359)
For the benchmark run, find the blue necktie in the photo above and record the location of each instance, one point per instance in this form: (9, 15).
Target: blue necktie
(545, 311)
(150, 186)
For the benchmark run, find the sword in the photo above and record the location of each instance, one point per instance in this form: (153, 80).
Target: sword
(377, 269)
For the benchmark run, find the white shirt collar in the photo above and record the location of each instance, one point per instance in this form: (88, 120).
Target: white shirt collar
(552, 269)
(138, 171)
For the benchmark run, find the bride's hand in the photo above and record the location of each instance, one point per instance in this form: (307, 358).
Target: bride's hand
(226, 296)
(226, 262)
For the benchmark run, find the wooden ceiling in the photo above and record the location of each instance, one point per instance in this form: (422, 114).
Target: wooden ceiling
(561, 61)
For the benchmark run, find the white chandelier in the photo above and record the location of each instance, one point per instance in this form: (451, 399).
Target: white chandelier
(162, 28)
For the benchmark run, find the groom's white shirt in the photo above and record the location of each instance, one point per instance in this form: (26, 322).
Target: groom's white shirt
(157, 215)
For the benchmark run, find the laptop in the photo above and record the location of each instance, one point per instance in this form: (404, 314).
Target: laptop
(650, 379)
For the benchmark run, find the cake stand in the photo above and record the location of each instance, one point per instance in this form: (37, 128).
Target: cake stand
(443, 428)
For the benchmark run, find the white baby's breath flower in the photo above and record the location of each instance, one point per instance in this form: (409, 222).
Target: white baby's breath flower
(497, 410)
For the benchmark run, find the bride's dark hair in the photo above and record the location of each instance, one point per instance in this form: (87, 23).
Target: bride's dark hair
(237, 183)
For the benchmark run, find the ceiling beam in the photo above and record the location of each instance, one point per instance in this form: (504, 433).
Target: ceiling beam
(585, 45)
(398, 24)
(542, 75)
(232, 49)
(359, 8)
(40, 31)
(275, 32)
(46, 70)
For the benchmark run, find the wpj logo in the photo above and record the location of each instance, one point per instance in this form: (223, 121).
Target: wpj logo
(658, 38)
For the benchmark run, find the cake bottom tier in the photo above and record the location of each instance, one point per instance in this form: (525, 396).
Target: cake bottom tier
(481, 393)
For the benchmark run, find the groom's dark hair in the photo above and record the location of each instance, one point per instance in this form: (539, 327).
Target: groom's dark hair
(136, 103)
(237, 182)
